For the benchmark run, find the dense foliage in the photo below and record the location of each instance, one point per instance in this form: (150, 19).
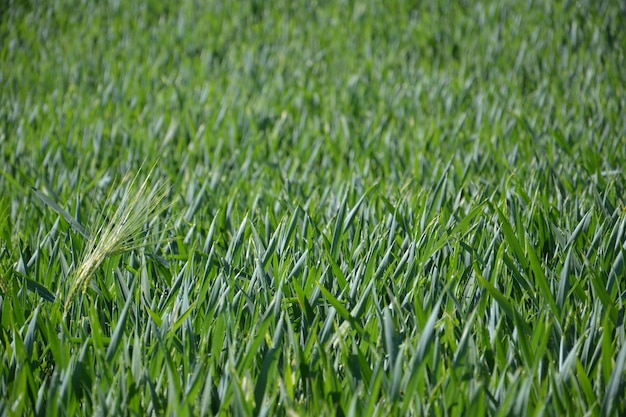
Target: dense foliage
(370, 208)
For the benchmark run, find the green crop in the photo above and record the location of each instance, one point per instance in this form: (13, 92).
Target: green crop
(353, 208)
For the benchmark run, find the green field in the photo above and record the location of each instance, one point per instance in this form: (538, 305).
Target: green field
(350, 208)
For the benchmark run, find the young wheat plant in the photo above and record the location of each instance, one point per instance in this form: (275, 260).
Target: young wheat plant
(121, 233)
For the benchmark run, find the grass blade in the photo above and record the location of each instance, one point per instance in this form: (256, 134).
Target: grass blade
(119, 328)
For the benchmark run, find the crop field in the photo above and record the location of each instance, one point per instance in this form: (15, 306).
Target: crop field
(325, 208)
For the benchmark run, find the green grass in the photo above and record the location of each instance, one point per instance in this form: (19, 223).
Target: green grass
(398, 208)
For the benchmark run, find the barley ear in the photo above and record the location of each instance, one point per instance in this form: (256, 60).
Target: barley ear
(121, 233)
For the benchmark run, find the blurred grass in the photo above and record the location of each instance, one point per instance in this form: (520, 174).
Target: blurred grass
(396, 207)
